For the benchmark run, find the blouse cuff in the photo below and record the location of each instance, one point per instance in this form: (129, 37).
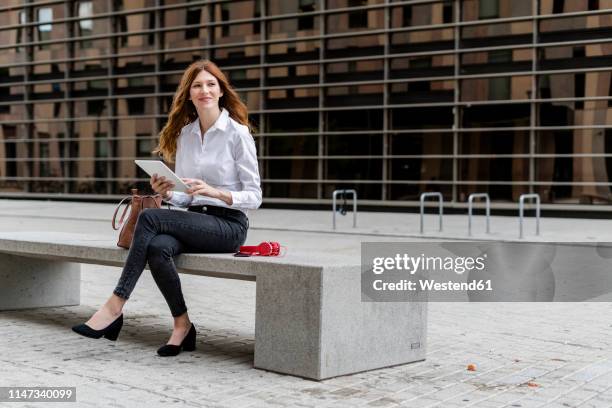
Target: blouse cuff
(245, 199)
(179, 199)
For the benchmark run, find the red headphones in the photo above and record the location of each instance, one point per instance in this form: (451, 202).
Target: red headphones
(267, 248)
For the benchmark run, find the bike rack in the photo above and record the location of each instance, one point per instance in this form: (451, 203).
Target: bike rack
(471, 198)
(522, 210)
(440, 207)
(334, 198)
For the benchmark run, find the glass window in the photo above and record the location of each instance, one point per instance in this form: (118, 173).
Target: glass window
(44, 110)
(422, 118)
(412, 191)
(578, 169)
(5, 92)
(228, 56)
(568, 6)
(225, 17)
(193, 16)
(428, 66)
(503, 34)
(497, 88)
(496, 115)
(355, 20)
(422, 92)
(353, 169)
(293, 27)
(292, 145)
(85, 25)
(45, 15)
(496, 61)
(292, 189)
(306, 22)
(353, 144)
(304, 169)
(292, 98)
(485, 9)
(422, 41)
(448, 12)
(21, 30)
(583, 56)
(293, 122)
(406, 12)
(573, 28)
(501, 191)
(294, 51)
(423, 143)
(354, 71)
(359, 18)
(10, 150)
(488, 9)
(421, 169)
(422, 14)
(494, 169)
(494, 143)
(293, 75)
(355, 119)
(144, 146)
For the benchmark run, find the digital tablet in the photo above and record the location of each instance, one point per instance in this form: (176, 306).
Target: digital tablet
(152, 167)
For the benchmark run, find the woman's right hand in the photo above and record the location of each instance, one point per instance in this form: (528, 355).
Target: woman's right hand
(162, 186)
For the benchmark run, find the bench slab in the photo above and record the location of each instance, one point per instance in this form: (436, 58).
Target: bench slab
(309, 319)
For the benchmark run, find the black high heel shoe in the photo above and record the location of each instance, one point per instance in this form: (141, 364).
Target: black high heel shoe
(111, 331)
(188, 344)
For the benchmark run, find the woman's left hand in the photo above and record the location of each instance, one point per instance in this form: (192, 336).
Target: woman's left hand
(200, 187)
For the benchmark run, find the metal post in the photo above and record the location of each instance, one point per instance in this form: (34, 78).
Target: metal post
(440, 207)
(522, 208)
(334, 198)
(471, 198)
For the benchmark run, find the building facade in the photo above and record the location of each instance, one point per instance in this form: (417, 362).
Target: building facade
(392, 98)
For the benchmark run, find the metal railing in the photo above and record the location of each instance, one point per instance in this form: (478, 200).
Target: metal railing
(522, 199)
(334, 205)
(440, 208)
(471, 198)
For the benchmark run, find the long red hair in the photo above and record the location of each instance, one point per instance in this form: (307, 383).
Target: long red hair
(183, 112)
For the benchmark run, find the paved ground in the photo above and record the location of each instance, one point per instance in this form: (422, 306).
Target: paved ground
(525, 354)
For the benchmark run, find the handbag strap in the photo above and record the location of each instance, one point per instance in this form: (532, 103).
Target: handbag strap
(127, 206)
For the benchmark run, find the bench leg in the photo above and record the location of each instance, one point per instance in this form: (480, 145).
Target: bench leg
(30, 282)
(312, 323)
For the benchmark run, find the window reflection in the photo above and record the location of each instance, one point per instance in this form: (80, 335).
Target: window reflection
(500, 167)
(488, 9)
(422, 40)
(496, 115)
(85, 9)
(45, 17)
(576, 162)
(425, 66)
(568, 6)
(496, 88)
(323, 104)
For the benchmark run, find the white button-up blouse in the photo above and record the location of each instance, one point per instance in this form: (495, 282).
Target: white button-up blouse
(227, 160)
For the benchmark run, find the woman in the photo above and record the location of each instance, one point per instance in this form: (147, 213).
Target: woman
(208, 134)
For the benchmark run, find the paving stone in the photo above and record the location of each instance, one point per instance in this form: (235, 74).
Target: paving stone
(565, 348)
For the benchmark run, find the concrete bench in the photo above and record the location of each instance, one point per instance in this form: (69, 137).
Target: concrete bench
(309, 320)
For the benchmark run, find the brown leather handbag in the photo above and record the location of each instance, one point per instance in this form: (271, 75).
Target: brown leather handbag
(135, 203)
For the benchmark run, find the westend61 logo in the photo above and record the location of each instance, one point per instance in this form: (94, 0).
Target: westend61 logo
(405, 264)
(414, 264)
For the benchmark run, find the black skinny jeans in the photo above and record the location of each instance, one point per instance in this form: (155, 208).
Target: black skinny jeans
(161, 234)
